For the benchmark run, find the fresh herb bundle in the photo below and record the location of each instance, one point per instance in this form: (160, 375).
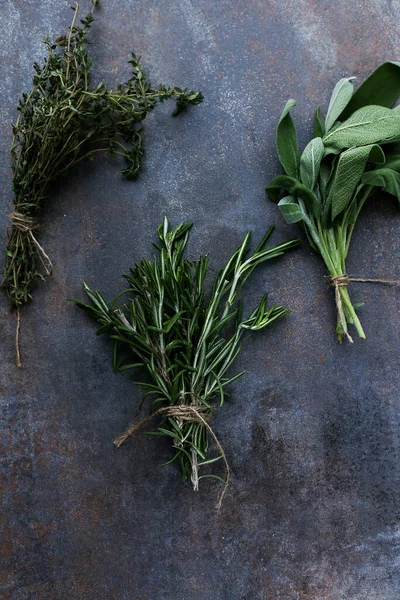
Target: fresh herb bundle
(352, 154)
(62, 121)
(183, 339)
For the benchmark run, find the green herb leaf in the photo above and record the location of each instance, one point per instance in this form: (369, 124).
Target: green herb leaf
(341, 96)
(290, 210)
(392, 159)
(310, 162)
(368, 125)
(295, 188)
(348, 174)
(387, 179)
(381, 88)
(319, 123)
(286, 141)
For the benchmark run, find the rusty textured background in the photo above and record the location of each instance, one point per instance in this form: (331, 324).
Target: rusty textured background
(312, 432)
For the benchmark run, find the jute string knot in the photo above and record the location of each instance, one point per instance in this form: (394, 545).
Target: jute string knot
(23, 222)
(343, 280)
(339, 281)
(26, 224)
(185, 413)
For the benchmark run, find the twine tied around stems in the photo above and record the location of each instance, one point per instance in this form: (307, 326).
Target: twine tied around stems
(28, 224)
(192, 414)
(343, 280)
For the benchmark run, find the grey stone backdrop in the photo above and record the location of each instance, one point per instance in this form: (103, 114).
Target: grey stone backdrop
(312, 430)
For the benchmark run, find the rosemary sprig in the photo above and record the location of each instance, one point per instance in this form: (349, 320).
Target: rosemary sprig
(183, 338)
(62, 121)
(352, 154)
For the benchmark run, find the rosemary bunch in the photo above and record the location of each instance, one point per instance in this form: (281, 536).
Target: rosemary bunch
(62, 121)
(184, 339)
(352, 154)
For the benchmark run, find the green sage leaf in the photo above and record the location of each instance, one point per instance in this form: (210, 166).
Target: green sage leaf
(387, 179)
(350, 167)
(368, 125)
(296, 189)
(326, 177)
(310, 162)
(286, 141)
(381, 88)
(341, 96)
(392, 160)
(319, 123)
(290, 210)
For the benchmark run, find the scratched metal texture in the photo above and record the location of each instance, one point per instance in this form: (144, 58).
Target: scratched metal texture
(312, 430)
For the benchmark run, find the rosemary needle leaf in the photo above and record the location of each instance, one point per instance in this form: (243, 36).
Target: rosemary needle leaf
(185, 339)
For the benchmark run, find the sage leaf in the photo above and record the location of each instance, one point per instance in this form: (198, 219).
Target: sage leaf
(351, 166)
(325, 178)
(310, 162)
(295, 188)
(393, 160)
(381, 88)
(341, 96)
(368, 125)
(387, 179)
(290, 210)
(319, 123)
(286, 141)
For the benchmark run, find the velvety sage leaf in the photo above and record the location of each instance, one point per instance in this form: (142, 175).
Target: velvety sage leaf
(329, 150)
(295, 188)
(341, 96)
(319, 123)
(325, 177)
(286, 141)
(349, 170)
(310, 162)
(381, 88)
(387, 179)
(290, 210)
(392, 160)
(369, 125)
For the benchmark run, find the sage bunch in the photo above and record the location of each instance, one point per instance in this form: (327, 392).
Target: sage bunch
(353, 153)
(62, 121)
(184, 339)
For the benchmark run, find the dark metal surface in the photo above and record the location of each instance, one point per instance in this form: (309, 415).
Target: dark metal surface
(312, 431)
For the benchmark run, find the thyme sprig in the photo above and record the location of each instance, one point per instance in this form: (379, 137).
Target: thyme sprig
(61, 122)
(184, 339)
(353, 153)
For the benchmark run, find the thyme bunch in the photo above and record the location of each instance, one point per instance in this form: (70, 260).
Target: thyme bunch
(184, 339)
(63, 121)
(353, 153)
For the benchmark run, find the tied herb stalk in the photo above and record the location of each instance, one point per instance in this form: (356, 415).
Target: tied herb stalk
(184, 339)
(353, 153)
(62, 121)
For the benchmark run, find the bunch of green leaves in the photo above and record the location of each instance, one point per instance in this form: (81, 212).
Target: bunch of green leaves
(354, 152)
(62, 121)
(184, 339)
